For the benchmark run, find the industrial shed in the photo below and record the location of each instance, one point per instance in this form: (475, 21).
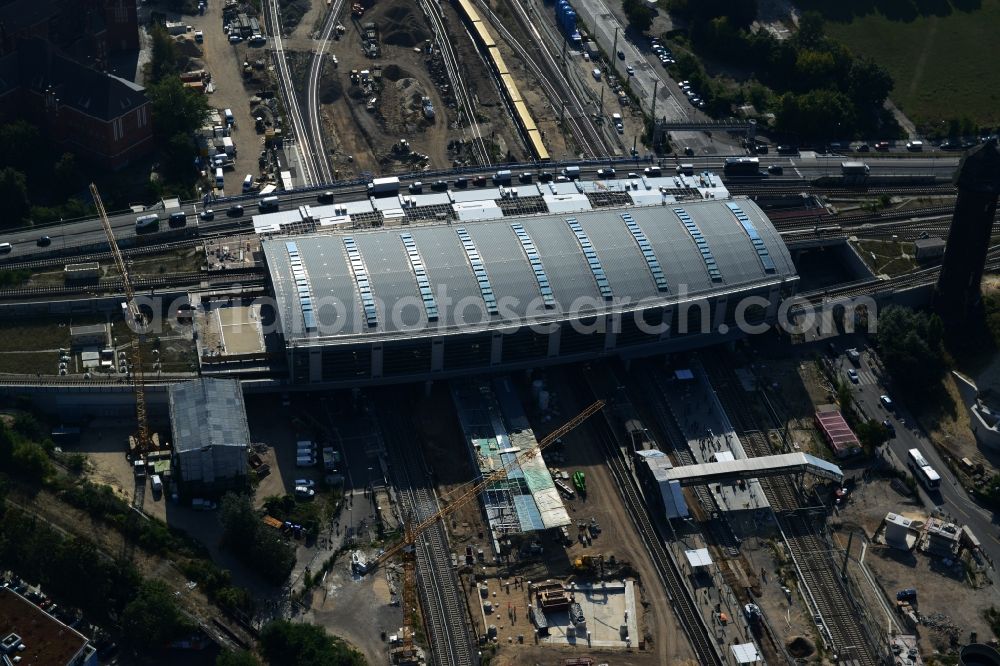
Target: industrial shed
(210, 436)
(417, 302)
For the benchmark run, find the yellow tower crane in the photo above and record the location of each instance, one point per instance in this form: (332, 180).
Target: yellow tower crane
(134, 322)
(463, 495)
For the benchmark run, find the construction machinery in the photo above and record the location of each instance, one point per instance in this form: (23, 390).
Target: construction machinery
(459, 498)
(141, 442)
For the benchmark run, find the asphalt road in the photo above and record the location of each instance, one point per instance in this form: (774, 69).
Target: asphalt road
(83, 233)
(951, 498)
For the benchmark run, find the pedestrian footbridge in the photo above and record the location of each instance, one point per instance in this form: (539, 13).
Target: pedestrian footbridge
(731, 471)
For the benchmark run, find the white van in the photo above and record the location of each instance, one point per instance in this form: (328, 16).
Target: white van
(248, 183)
(305, 461)
(230, 119)
(220, 178)
(268, 203)
(157, 483)
(5, 248)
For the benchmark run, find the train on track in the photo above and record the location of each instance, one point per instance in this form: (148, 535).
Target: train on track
(525, 122)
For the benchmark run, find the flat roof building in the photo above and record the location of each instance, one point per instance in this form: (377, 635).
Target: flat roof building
(210, 435)
(46, 640)
(411, 303)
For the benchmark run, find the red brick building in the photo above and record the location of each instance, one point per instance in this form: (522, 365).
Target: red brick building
(52, 53)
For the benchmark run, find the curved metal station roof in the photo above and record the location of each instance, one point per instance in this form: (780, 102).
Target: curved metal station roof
(416, 281)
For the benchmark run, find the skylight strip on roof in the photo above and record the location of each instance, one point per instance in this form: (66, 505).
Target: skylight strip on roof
(699, 240)
(647, 252)
(423, 284)
(603, 286)
(541, 278)
(479, 269)
(748, 226)
(302, 288)
(360, 273)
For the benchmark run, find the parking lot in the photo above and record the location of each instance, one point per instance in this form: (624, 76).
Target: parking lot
(224, 61)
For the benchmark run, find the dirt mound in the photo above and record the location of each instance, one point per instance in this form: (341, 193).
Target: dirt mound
(402, 28)
(331, 92)
(394, 73)
(800, 647)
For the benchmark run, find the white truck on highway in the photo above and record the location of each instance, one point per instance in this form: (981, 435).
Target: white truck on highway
(388, 185)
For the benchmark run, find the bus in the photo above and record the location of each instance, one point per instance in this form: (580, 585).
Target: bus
(924, 472)
(742, 167)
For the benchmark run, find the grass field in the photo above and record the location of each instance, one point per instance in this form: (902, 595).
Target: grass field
(944, 60)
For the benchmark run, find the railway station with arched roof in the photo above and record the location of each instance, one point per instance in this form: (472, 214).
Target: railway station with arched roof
(417, 302)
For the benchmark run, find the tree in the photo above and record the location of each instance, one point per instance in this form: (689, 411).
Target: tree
(14, 194)
(815, 114)
(640, 14)
(910, 344)
(236, 658)
(286, 643)
(163, 61)
(844, 395)
(259, 546)
(868, 83)
(20, 140)
(153, 619)
(872, 434)
(176, 109)
(811, 32)
(66, 175)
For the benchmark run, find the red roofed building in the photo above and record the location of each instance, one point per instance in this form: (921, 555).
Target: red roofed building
(838, 434)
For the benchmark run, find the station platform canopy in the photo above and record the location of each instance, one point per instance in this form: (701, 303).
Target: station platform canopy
(729, 471)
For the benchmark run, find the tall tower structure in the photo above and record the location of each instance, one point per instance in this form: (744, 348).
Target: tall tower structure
(958, 296)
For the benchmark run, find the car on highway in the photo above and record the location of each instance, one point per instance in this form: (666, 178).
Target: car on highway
(439, 185)
(325, 197)
(479, 181)
(545, 177)
(891, 429)
(44, 241)
(914, 146)
(852, 374)
(948, 144)
(525, 177)
(207, 214)
(689, 151)
(462, 182)
(863, 148)
(787, 149)
(776, 169)
(621, 54)
(886, 401)
(882, 146)
(630, 69)
(416, 187)
(606, 173)
(235, 211)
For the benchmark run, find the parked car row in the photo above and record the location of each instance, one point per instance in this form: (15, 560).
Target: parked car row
(692, 95)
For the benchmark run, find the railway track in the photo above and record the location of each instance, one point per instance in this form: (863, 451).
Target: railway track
(741, 188)
(324, 174)
(246, 278)
(307, 159)
(844, 622)
(691, 620)
(445, 613)
(557, 87)
(434, 14)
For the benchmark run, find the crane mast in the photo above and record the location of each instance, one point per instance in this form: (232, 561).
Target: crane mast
(134, 321)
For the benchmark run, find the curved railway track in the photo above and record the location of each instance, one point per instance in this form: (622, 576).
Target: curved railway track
(307, 159)
(464, 100)
(555, 84)
(324, 174)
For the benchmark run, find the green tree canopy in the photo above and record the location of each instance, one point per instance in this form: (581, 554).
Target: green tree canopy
(14, 195)
(164, 59)
(259, 546)
(640, 14)
(236, 658)
(910, 343)
(152, 619)
(286, 643)
(176, 109)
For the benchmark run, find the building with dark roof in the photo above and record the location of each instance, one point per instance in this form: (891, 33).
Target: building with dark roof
(46, 641)
(87, 30)
(210, 435)
(101, 116)
(418, 302)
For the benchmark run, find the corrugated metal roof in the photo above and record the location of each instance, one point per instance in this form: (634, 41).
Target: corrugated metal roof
(510, 274)
(207, 412)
